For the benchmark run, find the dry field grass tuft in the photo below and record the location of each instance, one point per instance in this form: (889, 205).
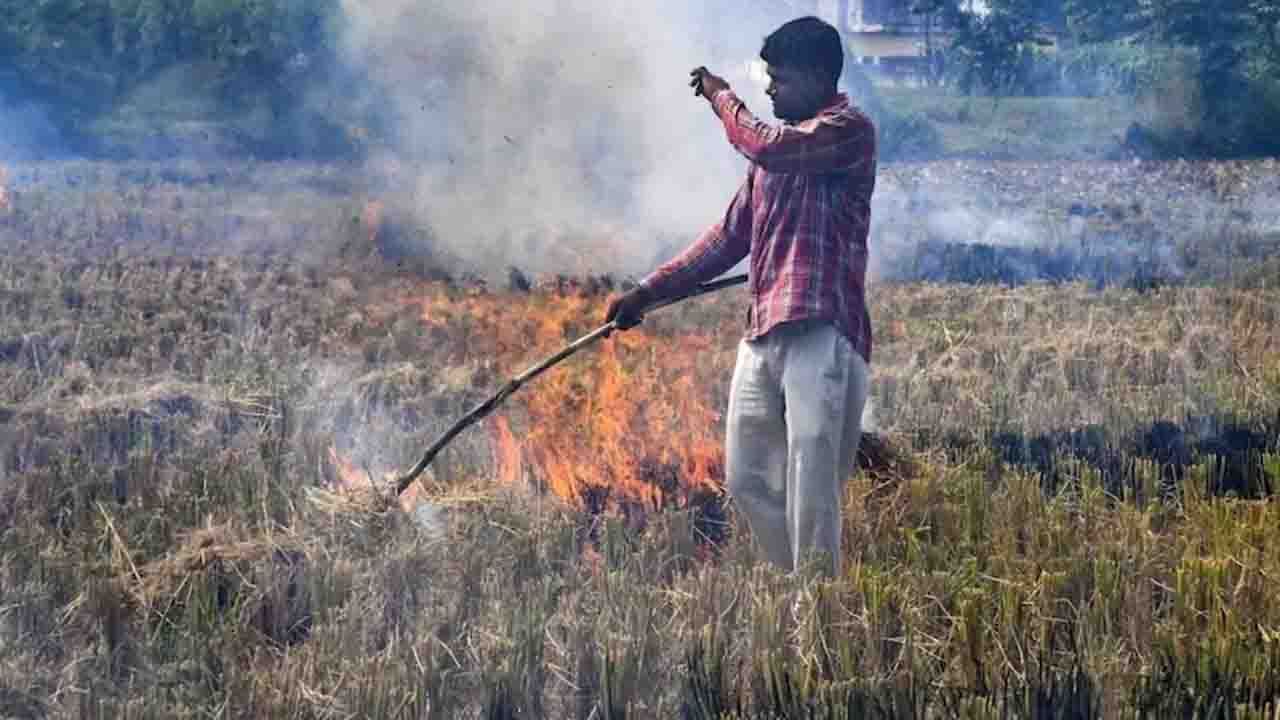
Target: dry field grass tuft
(1068, 508)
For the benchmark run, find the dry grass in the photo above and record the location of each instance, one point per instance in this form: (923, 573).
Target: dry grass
(171, 546)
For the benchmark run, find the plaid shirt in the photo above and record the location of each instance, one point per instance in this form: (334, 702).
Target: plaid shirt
(802, 214)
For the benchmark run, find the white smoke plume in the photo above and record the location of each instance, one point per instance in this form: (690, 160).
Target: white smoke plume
(558, 135)
(26, 131)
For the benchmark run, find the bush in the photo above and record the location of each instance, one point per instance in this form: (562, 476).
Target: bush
(1115, 68)
(84, 62)
(909, 136)
(1248, 124)
(1121, 68)
(1185, 114)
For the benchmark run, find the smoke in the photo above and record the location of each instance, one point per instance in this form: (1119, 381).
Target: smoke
(556, 135)
(911, 222)
(26, 132)
(561, 136)
(1130, 224)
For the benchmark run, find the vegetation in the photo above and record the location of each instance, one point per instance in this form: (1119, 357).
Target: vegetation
(1066, 509)
(85, 59)
(1075, 517)
(1131, 48)
(163, 78)
(933, 123)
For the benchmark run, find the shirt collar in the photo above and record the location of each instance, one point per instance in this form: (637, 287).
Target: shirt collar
(837, 104)
(840, 102)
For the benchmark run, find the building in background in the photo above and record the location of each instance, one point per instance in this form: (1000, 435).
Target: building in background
(892, 44)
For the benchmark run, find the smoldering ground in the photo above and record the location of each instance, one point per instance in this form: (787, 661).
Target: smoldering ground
(1134, 224)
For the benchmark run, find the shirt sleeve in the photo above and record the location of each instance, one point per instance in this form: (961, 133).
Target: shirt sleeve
(713, 253)
(827, 143)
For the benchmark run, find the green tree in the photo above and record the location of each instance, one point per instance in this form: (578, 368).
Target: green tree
(81, 58)
(992, 52)
(937, 15)
(56, 52)
(1095, 21)
(1239, 56)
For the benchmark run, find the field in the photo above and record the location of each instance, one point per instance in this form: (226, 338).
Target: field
(1064, 128)
(1066, 508)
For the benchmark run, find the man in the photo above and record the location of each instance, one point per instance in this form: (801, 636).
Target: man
(802, 215)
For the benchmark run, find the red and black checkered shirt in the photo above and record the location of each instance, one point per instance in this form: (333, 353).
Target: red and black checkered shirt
(802, 214)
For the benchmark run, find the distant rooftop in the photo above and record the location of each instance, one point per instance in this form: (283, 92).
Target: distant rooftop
(862, 17)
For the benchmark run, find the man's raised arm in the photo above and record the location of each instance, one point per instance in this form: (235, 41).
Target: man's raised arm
(827, 143)
(713, 253)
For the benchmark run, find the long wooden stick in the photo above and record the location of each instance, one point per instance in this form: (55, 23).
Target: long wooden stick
(483, 409)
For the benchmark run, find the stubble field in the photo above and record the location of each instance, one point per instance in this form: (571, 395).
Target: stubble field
(1066, 509)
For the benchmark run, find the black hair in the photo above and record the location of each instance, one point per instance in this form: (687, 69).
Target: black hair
(807, 43)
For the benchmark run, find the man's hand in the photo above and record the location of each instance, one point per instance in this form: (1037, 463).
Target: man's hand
(706, 83)
(627, 310)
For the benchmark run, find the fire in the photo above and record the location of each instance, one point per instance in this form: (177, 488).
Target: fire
(371, 218)
(352, 480)
(633, 422)
(506, 451)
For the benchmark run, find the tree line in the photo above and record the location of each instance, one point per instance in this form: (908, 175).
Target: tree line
(1228, 51)
(83, 57)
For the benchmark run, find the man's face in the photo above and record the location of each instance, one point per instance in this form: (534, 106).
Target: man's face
(797, 94)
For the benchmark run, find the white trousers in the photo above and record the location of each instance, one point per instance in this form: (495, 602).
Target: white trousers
(793, 427)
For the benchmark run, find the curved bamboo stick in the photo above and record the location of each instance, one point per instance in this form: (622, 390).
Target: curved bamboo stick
(480, 411)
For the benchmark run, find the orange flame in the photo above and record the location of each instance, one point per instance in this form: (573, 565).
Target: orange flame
(371, 218)
(632, 423)
(506, 451)
(353, 480)
(350, 478)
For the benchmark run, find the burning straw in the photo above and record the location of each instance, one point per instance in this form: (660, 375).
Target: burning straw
(634, 430)
(352, 491)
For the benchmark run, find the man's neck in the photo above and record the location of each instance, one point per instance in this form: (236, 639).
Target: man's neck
(831, 99)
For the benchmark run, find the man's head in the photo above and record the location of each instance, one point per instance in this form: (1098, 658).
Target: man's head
(805, 59)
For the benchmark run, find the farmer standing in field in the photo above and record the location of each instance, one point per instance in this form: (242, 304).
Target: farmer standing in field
(802, 215)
